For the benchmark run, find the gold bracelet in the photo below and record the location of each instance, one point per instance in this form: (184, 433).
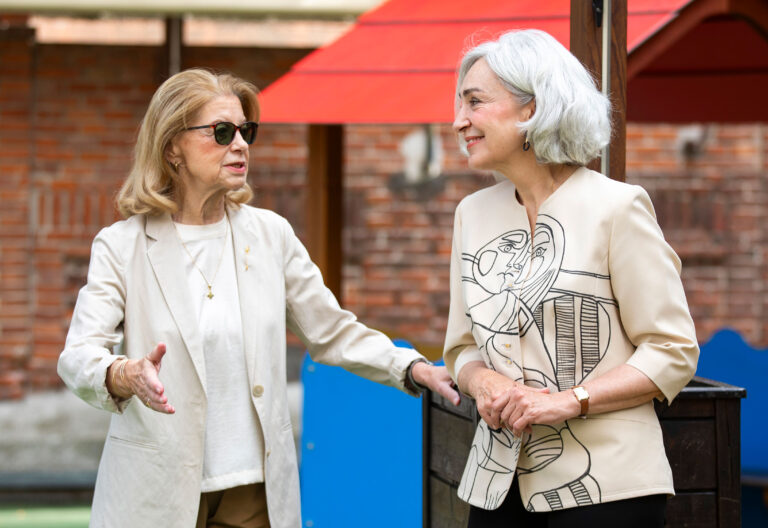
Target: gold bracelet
(122, 370)
(114, 371)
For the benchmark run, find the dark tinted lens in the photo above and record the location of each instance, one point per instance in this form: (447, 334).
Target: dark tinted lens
(248, 131)
(223, 133)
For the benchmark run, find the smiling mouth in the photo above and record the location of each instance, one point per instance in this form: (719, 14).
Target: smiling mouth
(471, 141)
(239, 165)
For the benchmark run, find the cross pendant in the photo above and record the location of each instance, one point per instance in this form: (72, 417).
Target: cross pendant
(210, 293)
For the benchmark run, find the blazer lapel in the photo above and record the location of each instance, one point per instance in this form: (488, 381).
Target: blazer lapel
(244, 243)
(164, 256)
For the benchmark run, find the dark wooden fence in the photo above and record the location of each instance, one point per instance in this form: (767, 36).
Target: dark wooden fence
(701, 436)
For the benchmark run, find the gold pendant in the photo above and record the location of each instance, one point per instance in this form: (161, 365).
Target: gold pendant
(210, 293)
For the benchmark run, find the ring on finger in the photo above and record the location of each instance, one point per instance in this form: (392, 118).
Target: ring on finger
(147, 402)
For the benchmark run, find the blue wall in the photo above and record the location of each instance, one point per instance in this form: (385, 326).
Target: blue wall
(727, 357)
(360, 452)
(361, 442)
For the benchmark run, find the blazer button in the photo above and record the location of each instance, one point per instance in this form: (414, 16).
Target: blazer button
(258, 391)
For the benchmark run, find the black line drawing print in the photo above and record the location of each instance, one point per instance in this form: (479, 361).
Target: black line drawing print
(515, 287)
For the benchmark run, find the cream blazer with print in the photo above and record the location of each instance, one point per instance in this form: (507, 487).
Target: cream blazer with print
(137, 296)
(595, 287)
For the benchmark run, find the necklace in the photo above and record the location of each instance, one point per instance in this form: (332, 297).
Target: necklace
(194, 261)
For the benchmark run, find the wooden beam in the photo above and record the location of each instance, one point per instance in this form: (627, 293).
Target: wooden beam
(174, 27)
(693, 14)
(325, 200)
(586, 45)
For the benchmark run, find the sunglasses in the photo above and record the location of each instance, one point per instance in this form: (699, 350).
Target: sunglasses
(224, 132)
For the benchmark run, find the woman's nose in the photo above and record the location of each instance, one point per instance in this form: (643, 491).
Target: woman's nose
(460, 121)
(238, 142)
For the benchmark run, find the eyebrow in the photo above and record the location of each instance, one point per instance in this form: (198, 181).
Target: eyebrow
(468, 91)
(220, 119)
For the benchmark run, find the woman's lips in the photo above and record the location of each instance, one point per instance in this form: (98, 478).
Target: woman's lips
(472, 141)
(237, 166)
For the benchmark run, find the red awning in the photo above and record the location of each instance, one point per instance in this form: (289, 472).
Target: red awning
(397, 64)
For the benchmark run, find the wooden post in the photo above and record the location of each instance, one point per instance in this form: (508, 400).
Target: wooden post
(325, 201)
(174, 27)
(586, 45)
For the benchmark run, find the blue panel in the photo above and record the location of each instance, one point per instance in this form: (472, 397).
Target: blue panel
(360, 452)
(729, 359)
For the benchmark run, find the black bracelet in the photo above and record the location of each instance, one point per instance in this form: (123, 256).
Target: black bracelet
(410, 383)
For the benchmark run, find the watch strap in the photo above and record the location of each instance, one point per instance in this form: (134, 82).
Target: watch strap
(582, 396)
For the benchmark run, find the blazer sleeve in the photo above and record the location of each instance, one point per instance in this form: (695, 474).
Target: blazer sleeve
(460, 346)
(96, 328)
(645, 277)
(333, 335)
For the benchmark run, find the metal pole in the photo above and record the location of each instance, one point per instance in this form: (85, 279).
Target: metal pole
(605, 160)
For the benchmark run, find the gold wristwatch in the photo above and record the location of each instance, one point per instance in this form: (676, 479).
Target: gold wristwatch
(583, 398)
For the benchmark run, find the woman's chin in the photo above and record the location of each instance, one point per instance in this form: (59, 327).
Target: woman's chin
(476, 163)
(234, 183)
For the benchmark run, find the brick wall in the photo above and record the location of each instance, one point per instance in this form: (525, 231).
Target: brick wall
(70, 114)
(69, 117)
(712, 203)
(16, 60)
(708, 184)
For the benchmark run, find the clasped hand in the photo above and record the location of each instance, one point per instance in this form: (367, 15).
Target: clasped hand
(503, 402)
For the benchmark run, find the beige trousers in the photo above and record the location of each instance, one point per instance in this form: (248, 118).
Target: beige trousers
(240, 507)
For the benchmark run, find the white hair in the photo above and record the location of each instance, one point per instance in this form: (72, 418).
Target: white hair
(571, 123)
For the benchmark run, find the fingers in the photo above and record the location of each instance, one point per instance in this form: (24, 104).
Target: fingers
(158, 403)
(438, 380)
(157, 354)
(448, 391)
(152, 392)
(147, 386)
(491, 410)
(518, 421)
(445, 385)
(148, 377)
(516, 415)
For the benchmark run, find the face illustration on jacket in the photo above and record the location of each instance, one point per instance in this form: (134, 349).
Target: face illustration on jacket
(500, 262)
(545, 258)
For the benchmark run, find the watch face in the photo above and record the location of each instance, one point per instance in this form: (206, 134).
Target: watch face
(581, 393)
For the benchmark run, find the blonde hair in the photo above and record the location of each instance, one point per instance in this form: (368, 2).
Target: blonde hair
(152, 186)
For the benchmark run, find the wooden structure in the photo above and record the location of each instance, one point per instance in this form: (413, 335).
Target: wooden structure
(701, 437)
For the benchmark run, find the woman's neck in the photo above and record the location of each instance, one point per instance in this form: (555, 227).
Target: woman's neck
(536, 182)
(200, 211)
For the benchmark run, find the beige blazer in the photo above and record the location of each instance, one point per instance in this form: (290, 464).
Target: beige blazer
(137, 296)
(595, 286)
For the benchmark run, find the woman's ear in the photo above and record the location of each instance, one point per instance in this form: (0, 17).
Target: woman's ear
(172, 153)
(530, 109)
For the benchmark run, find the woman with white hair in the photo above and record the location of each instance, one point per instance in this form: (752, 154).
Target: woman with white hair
(567, 315)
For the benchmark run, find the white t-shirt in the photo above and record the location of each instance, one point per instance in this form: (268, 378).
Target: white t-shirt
(234, 443)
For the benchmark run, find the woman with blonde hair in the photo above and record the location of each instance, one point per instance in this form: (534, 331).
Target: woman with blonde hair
(199, 283)
(567, 313)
